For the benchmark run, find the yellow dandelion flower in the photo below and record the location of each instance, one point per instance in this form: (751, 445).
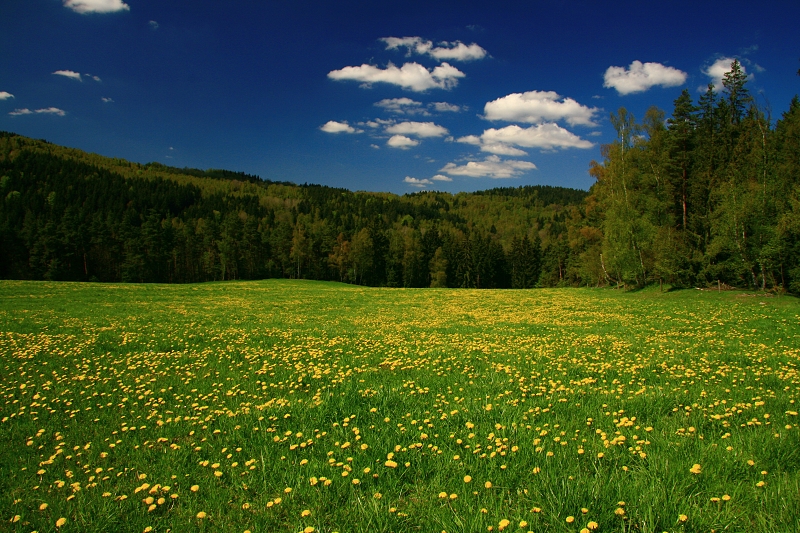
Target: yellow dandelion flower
(201, 515)
(377, 495)
(308, 529)
(194, 488)
(61, 521)
(584, 530)
(760, 484)
(287, 490)
(454, 496)
(619, 511)
(442, 495)
(695, 469)
(488, 485)
(523, 524)
(682, 518)
(390, 464)
(467, 479)
(504, 523)
(43, 507)
(726, 498)
(570, 519)
(305, 513)
(592, 525)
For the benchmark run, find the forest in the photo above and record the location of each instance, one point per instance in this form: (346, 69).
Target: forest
(704, 197)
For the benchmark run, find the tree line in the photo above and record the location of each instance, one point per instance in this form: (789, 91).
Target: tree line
(707, 195)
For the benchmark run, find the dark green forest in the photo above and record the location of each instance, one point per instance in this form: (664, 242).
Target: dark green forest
(705, 196)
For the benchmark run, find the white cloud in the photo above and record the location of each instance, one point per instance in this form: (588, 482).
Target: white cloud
(401, 141)
(535, 107)
(375, 146)
(95, 78)
(5, 96)
(412, 76)
(639, 77)
(338, 127)
(455, 50)
(491, 167)
(417, 182)
(548, 136)
(52, 111)
(443, 107)
(96, 6)
(106, 100)
(441, 177)
(45, 111)
(719, 68)
(153, 25)
(420, 129)
(69, 74)
(402, 106)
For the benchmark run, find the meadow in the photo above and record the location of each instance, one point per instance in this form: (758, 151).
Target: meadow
(294, 406)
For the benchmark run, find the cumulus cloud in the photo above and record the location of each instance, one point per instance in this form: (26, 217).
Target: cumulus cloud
(639, 77)
(153, 25)
(411, 76)
(402, 106)
(401, 141)
(417, 182)
(491, 167)
(455, 51)
(45, 111)
(69, 74)
(420, 129)
(106, 100)
(441, 177)
(5, 95)
(338, 127)
(502, 141)
(96, 6)
(535, 107)
(719, 68)
(444, 107)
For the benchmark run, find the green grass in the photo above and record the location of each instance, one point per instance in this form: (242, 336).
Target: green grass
(274, 397)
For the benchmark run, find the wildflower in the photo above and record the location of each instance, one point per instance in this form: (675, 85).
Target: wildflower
(570, 519)
(592, 525)
(61, 521)
(43, 507)
(442, 495)
(305, 513)
(390, 464)
(503, 524)
(523, 524)
(377, 495)
(467, 479)
(726, 498)
(194, 488)
(619, 511)
(201, 515)
(488, 485)
(695, 469)
(682, 518)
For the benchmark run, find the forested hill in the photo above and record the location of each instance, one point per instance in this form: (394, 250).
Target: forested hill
(707, 195)
(69, 215)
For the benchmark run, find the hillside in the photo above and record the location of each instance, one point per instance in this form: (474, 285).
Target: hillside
(71, 215)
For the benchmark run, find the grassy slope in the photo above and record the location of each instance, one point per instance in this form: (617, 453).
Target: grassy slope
(542, 380)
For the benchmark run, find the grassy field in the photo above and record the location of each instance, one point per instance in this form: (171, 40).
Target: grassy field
(300, 406)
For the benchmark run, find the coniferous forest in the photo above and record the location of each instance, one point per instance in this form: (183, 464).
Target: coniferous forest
(706, 195)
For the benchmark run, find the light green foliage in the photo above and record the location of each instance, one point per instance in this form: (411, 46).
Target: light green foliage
(272, 398)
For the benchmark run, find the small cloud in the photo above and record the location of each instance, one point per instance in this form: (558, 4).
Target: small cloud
(44, 111)
(535, 107)
(96, 6)
(639, 77)
(476, 28)
(548, 136)
(375, 146)
(401, 141)
(95, 78)
(69, 74)
(456, 50)
(444, 107)
(106, 100)
(52, 111)
(402, 106)
(491, 167)
(411, 76)
(717, 70)
(441, 177)
(153, 25)
(417, 182)
(338, 127)
(420, 129)
(595, 134)
(5, 96)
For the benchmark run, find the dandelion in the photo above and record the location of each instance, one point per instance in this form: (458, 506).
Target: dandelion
(592, 525)
(523, 524)
(682, 518)
(42, 507)
(201, 515)
(695, 469)
(442, 495)
(467, 479)
(305, 513)
(726, 498)
(61, 521)
(390, 464)
(487, 485)
(570, 519)
(194, 488)
(287, 490)
(377, 495)
(619, 511)
(504, 523)
(308, 529)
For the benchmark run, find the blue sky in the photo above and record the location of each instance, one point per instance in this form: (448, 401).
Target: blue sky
(398, 97)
